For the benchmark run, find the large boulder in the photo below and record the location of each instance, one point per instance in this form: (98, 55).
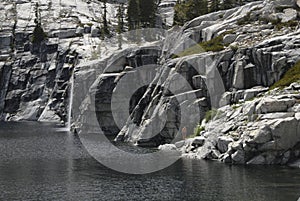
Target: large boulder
(251, 93)
(285, 133)
(238, 157)
(261, 135)
(289, 14)
(258, 160)
(168, 147)
(269, 105)
(229, 38)
(223, 143)
(198, 141)
(95, 31)
(225, 99)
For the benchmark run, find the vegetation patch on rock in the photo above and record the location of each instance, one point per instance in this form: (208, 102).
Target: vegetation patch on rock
(292, 75)
(215, 45)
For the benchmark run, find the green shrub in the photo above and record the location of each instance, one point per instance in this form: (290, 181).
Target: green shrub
(292, 75)
(187, 10)
(209, 115)
(196, 49)
(235, 106)
(234, 48)
(216, 44)
(197, 130)
(291, 24)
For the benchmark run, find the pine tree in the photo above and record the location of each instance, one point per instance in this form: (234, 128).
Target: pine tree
(133, 14)
(148, 9)
(181, 10)
(38, 32)
(196, 8)
(188, 10)
(120, 16)
(214, 6)
(105, 30)
(227, 4)
(120, 28)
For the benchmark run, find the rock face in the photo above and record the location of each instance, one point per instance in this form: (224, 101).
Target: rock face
(261, 128)
(253, 138)
(180, 85)
(289, 14)
(35, 78)
(242, 73)
(31, 86)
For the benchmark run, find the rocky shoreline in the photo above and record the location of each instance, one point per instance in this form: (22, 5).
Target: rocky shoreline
(264, 130)
(227, 60)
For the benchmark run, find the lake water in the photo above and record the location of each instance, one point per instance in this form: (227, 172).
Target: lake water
(39, 163)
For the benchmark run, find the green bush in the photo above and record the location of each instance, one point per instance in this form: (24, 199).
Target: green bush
(292, 75)
(291, 24)
(196, 49)
(197, 131)
(209, 115)
(187, 10)
(234, 48)
(216, 44)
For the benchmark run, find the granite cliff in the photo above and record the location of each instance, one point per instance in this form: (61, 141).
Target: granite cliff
(223, 62)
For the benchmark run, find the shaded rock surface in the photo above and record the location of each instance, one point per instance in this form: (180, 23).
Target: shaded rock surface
(243, 73)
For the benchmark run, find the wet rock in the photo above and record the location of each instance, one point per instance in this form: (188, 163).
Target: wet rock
(226, 158)
(198, 141)
(258, 160)
(223, 143)
(238, 157)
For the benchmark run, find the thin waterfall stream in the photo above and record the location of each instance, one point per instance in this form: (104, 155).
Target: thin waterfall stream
(69, 123)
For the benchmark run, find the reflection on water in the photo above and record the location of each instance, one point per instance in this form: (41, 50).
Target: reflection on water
(39, 163)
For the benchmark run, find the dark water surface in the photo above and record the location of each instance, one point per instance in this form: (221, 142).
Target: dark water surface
(39, 163)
